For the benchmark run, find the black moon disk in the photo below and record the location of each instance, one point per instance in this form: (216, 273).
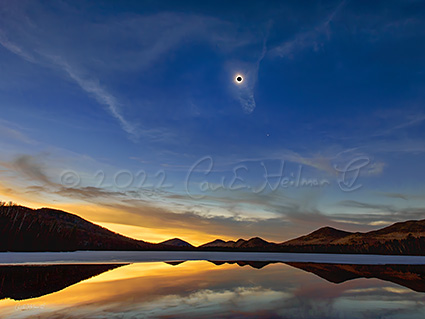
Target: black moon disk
(239, 79)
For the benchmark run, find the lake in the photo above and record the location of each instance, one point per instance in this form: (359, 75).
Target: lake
(150, 285)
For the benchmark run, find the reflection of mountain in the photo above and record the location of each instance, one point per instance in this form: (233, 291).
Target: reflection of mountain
(410, 276)
(253, 264)
(24, 282)
(175, 263)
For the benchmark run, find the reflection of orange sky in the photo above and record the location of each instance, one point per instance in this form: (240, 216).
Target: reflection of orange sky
(144, 283)
(149, 275)
(160, 287)
(108, 217)
(136, 282)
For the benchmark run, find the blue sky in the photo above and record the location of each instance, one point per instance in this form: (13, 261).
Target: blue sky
(96, 95)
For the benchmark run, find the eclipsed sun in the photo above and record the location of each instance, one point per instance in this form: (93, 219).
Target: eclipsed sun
(238, 79)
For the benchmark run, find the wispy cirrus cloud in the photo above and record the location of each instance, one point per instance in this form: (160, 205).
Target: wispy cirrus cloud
(92, 65)
(12, 47)
(403, 196)
(244, 92)
(15, 133)
(226, 213)
(362, 205)
(379, 214)
(31, 168)
(102, 96)
(286, 217)
(91, 86)
(311, 38)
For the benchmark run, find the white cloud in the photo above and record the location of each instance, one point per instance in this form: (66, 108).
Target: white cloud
(102, 97)
(4, 41)
(244, 92)
(307, 39)
(43, 38)
(90, 86)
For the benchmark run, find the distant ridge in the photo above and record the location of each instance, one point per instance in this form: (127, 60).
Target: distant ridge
(253, 244)
(219, 243)
(403, 238)
(26, 229)
(176, 242)
(322, 236)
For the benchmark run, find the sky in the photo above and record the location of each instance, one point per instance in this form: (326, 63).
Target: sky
(129, 114)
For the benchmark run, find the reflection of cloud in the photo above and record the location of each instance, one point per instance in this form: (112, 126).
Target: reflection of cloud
(197, 289)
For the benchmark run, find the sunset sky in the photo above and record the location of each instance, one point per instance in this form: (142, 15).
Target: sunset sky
(128, 114)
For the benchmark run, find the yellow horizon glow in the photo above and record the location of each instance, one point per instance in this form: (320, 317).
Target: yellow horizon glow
(99, 215)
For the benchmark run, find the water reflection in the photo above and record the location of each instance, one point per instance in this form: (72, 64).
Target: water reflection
(410, 276)
(201, 289)
(24, 282)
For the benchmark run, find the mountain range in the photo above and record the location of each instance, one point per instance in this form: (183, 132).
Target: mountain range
(26, 229)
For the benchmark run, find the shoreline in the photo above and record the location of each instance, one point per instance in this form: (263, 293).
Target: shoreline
(82, 257)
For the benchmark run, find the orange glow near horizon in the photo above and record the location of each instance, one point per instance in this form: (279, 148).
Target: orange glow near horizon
(106, 217)
(157, 236)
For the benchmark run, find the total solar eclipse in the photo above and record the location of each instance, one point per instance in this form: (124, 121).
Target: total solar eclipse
(239, 79)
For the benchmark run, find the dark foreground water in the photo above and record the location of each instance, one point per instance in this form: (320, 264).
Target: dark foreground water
(212, 289)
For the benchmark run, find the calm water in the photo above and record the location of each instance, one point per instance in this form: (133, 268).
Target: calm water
(203, 289)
